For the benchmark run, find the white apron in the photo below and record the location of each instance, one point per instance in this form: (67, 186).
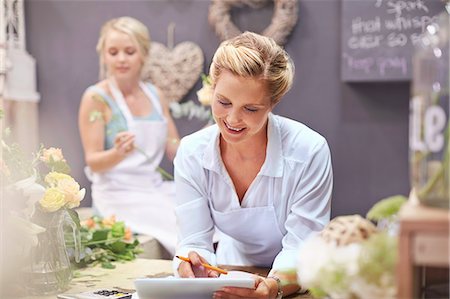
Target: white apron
(250, 236)
(133, 190)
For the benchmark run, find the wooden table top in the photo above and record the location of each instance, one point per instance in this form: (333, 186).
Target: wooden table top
(123, 276)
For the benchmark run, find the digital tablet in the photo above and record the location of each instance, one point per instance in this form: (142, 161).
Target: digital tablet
(175, 288)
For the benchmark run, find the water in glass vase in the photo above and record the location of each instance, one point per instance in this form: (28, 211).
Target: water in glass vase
(47, 282)
(48, 270)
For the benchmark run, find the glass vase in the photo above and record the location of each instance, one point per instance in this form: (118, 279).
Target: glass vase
(48, 270)
(429, 112)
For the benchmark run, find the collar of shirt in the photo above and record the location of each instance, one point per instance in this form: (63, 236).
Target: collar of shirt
(273, 165)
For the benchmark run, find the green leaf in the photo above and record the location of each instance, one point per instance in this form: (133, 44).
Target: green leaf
(59, 166)
(206, 80)
(108, 265)
(100, 235)
(317, 292)
(386, 208)
(118, 229)
(378, 259)
(95, 115)
(118, 247)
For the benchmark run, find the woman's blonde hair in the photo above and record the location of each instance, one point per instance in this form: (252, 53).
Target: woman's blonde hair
(137, 31)
(253, 55)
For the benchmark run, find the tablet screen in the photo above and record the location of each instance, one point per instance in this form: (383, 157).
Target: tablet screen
(177, 288)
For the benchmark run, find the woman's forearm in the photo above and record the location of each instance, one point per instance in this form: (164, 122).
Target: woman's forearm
(289, 282)
(104, 160)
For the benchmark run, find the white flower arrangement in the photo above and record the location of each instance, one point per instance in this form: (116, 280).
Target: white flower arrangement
(36, 186)
(205, 94)
(55, 191)
(364, 269)
(191, 110)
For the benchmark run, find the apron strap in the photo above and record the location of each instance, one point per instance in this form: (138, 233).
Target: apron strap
(118, 96)
(153, 96)
(121, 102)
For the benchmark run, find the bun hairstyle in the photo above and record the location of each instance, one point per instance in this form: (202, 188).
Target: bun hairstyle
(137, 31)
(253, 55)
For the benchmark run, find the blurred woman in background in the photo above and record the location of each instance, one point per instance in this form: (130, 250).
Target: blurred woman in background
(126, 128)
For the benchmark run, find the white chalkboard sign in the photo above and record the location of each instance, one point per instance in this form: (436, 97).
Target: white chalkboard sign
(378, 37)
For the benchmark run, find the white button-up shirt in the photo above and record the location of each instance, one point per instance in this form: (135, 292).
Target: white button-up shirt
(296, 176)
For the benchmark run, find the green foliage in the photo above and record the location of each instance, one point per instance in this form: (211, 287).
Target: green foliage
(317, 292)
(335, 278)
(104, 241)
(378, 259)
(95, 115)
(386, 208)
(206, 80)
(358, 270)
(15, 165)
(58, 166)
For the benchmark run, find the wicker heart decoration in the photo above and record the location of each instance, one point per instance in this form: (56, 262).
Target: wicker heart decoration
(283, 21)
(174, 70)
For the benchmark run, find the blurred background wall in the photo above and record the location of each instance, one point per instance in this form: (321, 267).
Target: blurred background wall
(366, 124)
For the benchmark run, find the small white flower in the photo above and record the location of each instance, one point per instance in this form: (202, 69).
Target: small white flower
(205, 95)
(26, 231)
(32, 191)
(314, 255)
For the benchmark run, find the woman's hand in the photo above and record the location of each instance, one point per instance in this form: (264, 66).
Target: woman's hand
(264, 288)
(124, 142)
(195, 268)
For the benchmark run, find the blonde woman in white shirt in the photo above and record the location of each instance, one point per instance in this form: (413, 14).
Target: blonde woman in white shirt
(263, 180)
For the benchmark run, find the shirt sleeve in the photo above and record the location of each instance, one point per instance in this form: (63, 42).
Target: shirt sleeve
(194, 221)
(310, 210)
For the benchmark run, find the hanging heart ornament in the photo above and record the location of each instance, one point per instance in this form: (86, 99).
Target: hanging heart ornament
(283, 20)
(174, 70)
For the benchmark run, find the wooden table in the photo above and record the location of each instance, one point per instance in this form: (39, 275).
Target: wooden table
(423, 241)
(123, 275)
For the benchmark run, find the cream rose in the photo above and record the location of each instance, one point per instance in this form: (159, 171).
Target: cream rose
(53, 178)
(205, 94)
(54, 154)
(68, 187)
(72, 192)
(53, 200)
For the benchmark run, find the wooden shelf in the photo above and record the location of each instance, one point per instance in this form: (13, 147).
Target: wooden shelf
(423, 241)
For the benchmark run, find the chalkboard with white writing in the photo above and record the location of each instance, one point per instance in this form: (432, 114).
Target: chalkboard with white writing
(378, 37)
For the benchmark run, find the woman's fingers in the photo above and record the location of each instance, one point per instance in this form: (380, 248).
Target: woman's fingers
(233, 293)
(185, 270)
(195, 258)
(128, 145)
(197, 267)
(209, 272)
(212, 273)
(123, 137)
(261, 290)
(124, 142)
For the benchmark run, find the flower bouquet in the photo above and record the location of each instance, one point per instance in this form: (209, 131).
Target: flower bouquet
(191, 110)
(40, 196)
(105, 240)
(350, 259)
